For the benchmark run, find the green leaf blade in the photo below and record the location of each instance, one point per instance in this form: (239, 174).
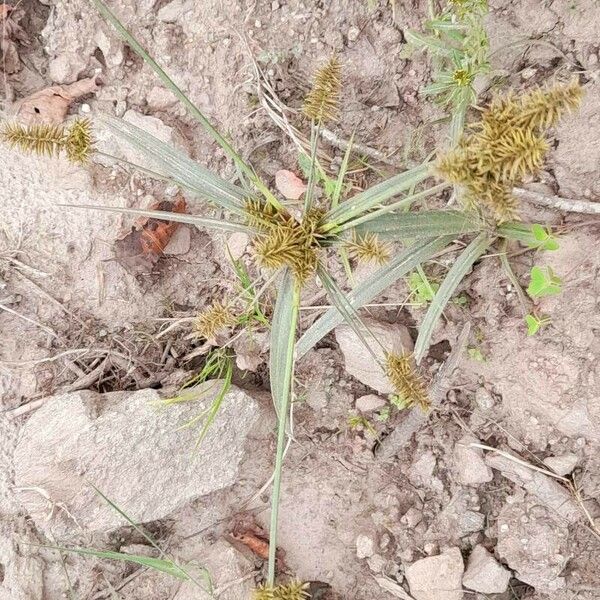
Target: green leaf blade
(456, 274)
(433, 223)
(398, 267)
(157, 564)
(377, 194)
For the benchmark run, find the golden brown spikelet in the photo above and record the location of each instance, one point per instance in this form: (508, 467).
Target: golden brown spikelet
(291, 243)
(214, 320)
(513, 155)
(322, 102)
(293, 590)
(264, 592)
(368, 247)
(407, 382)
(542, 108)
(44, 140)
(78, 141)
(260, 215)
(506, 146)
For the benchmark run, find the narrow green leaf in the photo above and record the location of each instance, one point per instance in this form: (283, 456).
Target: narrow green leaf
(283, 328)
(431, 223)
(164, 215)
(431, 43)
(377, 194)
(178, 166)
(349, 314)
(459, 112)
(158, 564)
(398, 267)
(339, 184)
(189, 105)
(281, 368)
(455, 275)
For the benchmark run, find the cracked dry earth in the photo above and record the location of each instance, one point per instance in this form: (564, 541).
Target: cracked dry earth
(439, 519)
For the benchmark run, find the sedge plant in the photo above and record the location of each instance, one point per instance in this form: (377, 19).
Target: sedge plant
(294, 244)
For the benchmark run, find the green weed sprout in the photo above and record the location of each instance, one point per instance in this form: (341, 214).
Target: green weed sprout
(297, 246)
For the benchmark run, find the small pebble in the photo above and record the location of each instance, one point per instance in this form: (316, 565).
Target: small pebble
(353, 34)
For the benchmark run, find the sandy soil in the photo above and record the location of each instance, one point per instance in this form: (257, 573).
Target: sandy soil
(347, 516)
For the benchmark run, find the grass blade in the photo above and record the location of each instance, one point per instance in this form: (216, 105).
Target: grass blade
(339, 184)
(377, 194)
(178, 166)
(432, 223)
(194, 111)
(402, 264)
(158, 564)
(164, 215)
(455, 275)
(349, 314)
(283, 335)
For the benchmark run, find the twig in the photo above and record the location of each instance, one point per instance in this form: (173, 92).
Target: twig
(359, 148)
(81, 384)
(558, 203)
(32, 321)
(403, 433)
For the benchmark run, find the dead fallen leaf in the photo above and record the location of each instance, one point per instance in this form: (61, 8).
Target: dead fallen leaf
(258, 546)
(289, 184)
(139, 249)
(247, 534)
(10, 33)
(51, 104)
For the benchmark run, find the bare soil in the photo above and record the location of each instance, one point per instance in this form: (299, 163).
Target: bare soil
(65, 300)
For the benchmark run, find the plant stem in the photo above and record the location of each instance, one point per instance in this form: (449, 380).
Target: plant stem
(284, 404)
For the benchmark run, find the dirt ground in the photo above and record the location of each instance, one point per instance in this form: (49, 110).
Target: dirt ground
(349, 518)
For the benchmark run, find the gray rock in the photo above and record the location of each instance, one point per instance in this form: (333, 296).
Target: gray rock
(437, 577)
(484, 399)
(533, 541)
(484, 573)
(159, 98)
(412, 517)
(457, 519)
(370, 403)
(365, 546)
(174, 11)
(180, 242)
(563, 464)
(548, 490)
(469, 466)
(393, 337)
(237, 243)
(130, 450)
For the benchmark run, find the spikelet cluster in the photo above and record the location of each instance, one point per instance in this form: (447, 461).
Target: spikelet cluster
(214, 320)
(293, 590)
(368, 247)
(79, 142)
(283, 241)
(50, 140)
(322, 102)
(408, 384)
(507, 145)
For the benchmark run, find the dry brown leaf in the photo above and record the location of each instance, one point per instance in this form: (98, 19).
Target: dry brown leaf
(10, 33)
(51, 104)
(289, 184)
(139, 249)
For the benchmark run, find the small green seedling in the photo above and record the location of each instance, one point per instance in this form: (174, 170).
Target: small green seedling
(358, 421)
(476, 354)
(383, 415)
(422, 290)
(535, 323)
(543, 238)
(544, 282)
